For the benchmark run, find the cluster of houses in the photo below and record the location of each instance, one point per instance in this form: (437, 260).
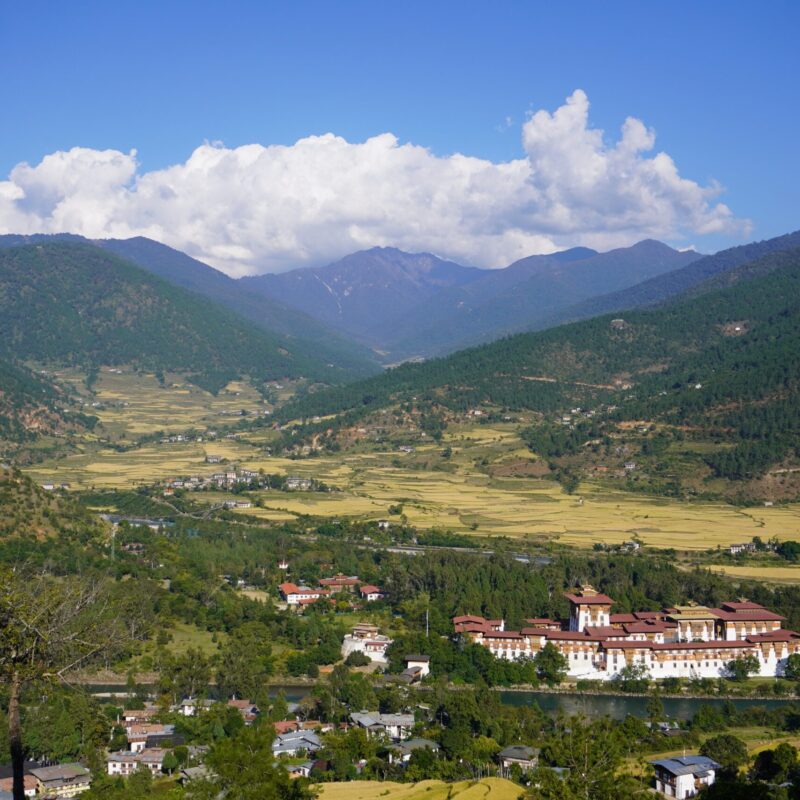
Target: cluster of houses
(294, 595)
(236, 478)
(684, 641)
(223, 480)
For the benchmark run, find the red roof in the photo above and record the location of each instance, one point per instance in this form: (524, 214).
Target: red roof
(286, 726)
(714, 644)
(774, 636)
(754, 615)
(467, 618)
(743, 605)
(503, 635)
(288, 588)
(472, 627)
(572, 636)
(602, 631)
(648, 614)
(370, 589)
(589, 599)
(656, 626)
(542, 621)
(618, 619)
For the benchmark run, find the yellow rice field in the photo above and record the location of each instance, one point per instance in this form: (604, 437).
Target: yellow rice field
(455, 494)
(486, 789)
(787, 575)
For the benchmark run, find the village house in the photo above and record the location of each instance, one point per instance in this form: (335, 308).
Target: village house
(126, 762)
(295, 484)
(340, 583)
(395, 726)
(148, 734)
(291, 743)
(684, 776)
(295, 595)
(138, 716)
(248, 710)
(524, 757)
(744, 547)
(370, 593)
(417, 666)
(684, 641)
(401, 753)
(366, 639)
(191, 706)
(29, 785)
(62, 780)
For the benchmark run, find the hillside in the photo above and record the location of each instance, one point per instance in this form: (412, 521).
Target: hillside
(269, 314)
(676, 282)
(362, 292)
(75, 304)
(520, 296)
(410, 305)
(726, 364)
(31, 405)
(26, 510)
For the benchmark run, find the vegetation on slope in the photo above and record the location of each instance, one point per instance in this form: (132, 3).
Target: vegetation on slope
(30, 405)
(727, 361)
(75, 304)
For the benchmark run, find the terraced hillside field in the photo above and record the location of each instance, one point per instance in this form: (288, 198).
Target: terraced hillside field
(457, 497)
(486, 789)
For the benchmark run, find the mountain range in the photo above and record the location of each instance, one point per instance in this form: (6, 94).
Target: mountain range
(719, 362)
(417, 305)
(71, 301)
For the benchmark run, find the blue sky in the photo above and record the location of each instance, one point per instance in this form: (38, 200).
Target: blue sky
(717, 81)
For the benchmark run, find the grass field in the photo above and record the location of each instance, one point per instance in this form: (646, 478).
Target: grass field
(787, 575)
(134, 404)
(456, 493)
(486, 789)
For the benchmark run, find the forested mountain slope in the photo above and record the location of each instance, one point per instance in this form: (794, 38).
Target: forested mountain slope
(362, 293)
(266, 312)
(727, 361)
(76, 304)
(520, 296)
(670, 284)
(172, 265)
(31, 405)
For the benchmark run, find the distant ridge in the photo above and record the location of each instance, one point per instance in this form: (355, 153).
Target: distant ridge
(416, 304)
(662, 287)
(365, 291)
(72, 303)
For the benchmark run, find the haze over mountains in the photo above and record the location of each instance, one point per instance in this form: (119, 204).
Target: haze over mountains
(411, 305)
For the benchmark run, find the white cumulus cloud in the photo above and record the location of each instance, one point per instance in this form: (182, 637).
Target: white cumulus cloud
(259, 208)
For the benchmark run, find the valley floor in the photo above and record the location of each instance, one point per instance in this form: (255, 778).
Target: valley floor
(471, 490)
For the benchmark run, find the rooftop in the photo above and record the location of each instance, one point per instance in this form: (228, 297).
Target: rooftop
(686, 765)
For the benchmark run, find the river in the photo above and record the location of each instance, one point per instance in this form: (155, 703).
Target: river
(591, 705)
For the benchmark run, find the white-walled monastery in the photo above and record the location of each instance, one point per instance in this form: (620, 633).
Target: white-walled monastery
(682, 642)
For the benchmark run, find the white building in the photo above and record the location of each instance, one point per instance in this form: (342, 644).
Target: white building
(126, 762)
(366, 639)
(682, 641)
(684, 776)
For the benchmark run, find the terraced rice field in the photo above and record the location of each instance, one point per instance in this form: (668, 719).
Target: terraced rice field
(132, 404)
(787, 575)
(486, 789)
(453, 493)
